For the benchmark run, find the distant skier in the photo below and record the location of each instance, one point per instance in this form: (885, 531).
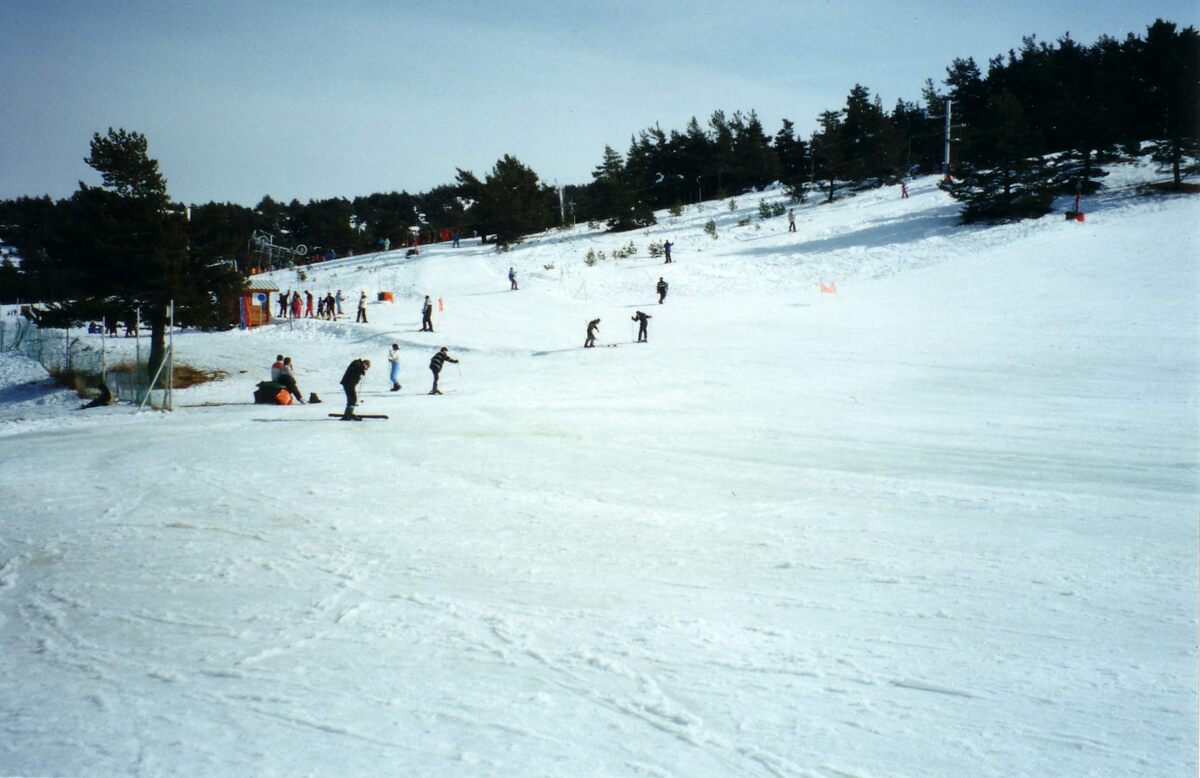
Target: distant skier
(277, 368)
(903, 190)
(593, 325)
(308, 304)
(455, 236)
(354, 373)
(435, 365)
(512, 279)
(296, 305)
(641, 319)
(661, 287)
(667, 250)
(341, 298)
(330, 306)
(791, 220)
(394, 360)
(362, 309)
(283, 304)
(427, 315)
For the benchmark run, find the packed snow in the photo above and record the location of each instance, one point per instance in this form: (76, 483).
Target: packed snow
(941, 522)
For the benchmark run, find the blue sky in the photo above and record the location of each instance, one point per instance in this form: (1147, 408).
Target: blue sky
(310, 100)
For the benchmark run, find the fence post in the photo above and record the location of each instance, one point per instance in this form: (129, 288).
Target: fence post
(171, 357)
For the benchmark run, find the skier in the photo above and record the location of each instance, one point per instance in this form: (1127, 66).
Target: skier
(791, 220)
(394, 359)
(641, 319)
(277, 368)
(512, 278)
(661, 287)
(287, 377)
(283, 303)
(593, 325)
(362, 308)
(341, 298)
(427, 315)
(667, 250)
(320, 306)
(903, 190)
(454, 236)
(296, 305)
(308, 304)
(330, 304)
(435, 365)
(354, 373)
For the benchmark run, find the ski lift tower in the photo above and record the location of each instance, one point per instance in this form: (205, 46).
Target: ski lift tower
(263, 253)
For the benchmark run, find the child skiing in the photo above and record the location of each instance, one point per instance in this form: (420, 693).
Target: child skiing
(593, 325)
(662, 290)
(512, 279)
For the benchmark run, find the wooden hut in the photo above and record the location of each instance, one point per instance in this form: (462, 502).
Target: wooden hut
(254, 304)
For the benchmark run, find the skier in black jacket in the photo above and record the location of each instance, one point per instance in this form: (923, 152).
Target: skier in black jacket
(354, 373)
(641, 319)
(662, 290)
(593, 325)
(435, 365)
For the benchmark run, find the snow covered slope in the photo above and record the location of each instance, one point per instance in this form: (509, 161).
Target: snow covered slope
(940, 523)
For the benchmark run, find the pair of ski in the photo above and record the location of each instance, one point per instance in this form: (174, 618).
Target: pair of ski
(357, 416)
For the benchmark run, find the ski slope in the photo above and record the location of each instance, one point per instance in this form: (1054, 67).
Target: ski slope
(940, 523)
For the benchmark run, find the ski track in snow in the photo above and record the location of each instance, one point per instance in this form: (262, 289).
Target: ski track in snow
(939, 523)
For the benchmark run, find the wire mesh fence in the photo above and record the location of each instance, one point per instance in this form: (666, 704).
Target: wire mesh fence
(85, 359)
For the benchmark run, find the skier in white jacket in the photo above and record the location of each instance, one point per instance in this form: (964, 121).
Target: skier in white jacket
(394, 359)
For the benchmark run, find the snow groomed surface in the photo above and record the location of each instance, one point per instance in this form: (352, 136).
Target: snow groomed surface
(940, 523)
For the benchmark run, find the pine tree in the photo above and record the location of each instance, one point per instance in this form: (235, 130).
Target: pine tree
(829, 154)
(1170, 66)
(510, 202)
(754, 159)
(1007, 178)
(124, 245)
(792, 153)
(617, 197)
(867, 140)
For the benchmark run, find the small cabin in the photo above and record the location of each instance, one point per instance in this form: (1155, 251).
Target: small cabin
(254, 304)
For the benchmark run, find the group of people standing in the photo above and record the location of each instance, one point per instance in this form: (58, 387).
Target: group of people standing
(327, 306)
(357, 370)
(283, 373)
